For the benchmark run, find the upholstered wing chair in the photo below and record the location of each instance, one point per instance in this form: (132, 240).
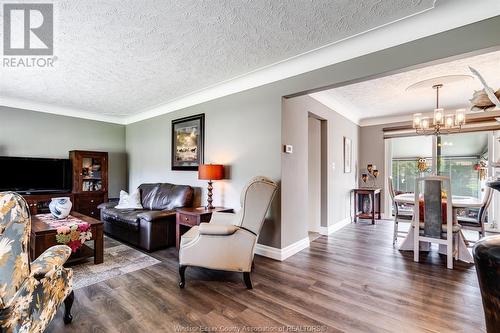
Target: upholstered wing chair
(228, 241)
(30, 293)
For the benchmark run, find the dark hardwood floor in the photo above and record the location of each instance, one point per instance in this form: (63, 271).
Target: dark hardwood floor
(352, 281)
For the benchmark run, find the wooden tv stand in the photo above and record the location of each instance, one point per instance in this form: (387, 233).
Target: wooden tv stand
(39, 203)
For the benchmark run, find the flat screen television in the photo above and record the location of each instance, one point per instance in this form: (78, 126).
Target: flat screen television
(35, 175)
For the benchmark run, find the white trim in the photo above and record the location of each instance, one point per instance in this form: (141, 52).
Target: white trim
(282, 254)
(387, 204)
(385, 120)
(58, 110)
(334, 227)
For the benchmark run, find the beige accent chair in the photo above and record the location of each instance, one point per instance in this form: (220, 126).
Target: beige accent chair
(228, 242)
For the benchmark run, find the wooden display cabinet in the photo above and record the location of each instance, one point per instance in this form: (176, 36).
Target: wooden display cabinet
(90, 181)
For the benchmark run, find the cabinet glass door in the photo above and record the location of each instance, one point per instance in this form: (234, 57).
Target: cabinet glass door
(91, 174)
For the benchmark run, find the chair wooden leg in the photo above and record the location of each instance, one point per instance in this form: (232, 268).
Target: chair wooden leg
(449, 254)
(395, 236)
(248, 281)
(68, 303)
(182, 271)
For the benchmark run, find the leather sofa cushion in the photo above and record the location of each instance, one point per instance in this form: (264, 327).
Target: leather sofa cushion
(155, 214)
(125, 218)
(148, 193)
(170, 196)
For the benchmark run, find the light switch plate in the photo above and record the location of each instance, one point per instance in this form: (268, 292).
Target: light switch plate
(288, 149)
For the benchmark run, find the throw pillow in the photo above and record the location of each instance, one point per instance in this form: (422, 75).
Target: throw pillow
(129, 201)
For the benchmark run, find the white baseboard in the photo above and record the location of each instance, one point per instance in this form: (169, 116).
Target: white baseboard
(282, 254)
(334, 227)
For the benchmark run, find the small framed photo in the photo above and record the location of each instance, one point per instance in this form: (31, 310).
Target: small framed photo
(188, 140)
(347, 155)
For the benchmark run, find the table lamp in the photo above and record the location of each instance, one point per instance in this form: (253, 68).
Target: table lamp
(210, 172)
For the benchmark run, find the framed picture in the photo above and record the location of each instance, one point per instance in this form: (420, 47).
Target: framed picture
(347, 155)
(188, 139)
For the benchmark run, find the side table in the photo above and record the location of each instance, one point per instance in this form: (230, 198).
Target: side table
(190, 217)
(374, 194)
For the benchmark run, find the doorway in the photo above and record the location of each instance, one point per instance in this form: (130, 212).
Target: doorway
(316, 154)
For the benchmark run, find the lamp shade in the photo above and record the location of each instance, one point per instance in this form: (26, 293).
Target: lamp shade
(211, 171)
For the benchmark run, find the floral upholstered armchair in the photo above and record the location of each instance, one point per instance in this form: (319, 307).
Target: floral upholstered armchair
(30, 293)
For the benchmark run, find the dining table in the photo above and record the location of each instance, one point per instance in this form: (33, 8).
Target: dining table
(458, 202)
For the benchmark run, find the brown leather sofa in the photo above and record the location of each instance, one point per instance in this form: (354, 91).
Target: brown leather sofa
(152, 227)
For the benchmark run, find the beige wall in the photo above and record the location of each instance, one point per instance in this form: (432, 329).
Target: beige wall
(36, 134)
(294, 167)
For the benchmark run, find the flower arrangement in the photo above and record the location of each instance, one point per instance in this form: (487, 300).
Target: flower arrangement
(74, 235)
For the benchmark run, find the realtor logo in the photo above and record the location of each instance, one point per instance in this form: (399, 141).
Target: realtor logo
(28, 29)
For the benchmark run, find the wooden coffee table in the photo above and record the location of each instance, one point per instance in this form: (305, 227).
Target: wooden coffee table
(43, 236)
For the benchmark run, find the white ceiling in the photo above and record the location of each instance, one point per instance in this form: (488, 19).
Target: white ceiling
(387, 96)
(120, 58)
(462, 144)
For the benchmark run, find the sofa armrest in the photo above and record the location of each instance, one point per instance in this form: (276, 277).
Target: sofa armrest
(53, 258)
(217, 229)
(109, 204)
(155, 215)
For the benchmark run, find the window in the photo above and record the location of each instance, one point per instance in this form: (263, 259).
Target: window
(464, 178)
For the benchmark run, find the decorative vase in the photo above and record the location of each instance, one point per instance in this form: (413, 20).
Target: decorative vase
(60, 207)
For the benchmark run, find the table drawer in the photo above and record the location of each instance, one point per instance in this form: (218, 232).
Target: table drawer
(188, 219)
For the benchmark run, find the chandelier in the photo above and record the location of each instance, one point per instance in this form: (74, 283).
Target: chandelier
(441, 122)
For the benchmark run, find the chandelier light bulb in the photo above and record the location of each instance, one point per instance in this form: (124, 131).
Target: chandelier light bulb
(417, 118)
(460, 117)
(449, 121)
(425, 123)
(438, 116)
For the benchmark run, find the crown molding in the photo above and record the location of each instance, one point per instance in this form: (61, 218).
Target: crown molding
(385, 120)
(58, 110)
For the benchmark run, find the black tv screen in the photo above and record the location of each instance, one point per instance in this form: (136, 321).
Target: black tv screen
(35, 175)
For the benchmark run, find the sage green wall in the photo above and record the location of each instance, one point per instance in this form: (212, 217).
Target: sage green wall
(242, 132)
(36, 134)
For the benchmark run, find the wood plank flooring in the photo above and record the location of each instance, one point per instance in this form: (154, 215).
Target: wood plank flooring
(352, 281)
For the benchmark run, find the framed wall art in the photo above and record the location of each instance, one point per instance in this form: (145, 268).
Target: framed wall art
(188, 140)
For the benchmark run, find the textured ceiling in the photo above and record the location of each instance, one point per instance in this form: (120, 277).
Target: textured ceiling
(124, 57)
(387, 96)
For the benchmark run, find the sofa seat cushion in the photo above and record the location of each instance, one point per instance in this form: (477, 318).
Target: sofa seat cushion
(153, 215)
(124, 217)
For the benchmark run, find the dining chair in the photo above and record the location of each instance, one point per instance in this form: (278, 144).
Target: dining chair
(436, 227)
(401, 213)
(477, 224)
